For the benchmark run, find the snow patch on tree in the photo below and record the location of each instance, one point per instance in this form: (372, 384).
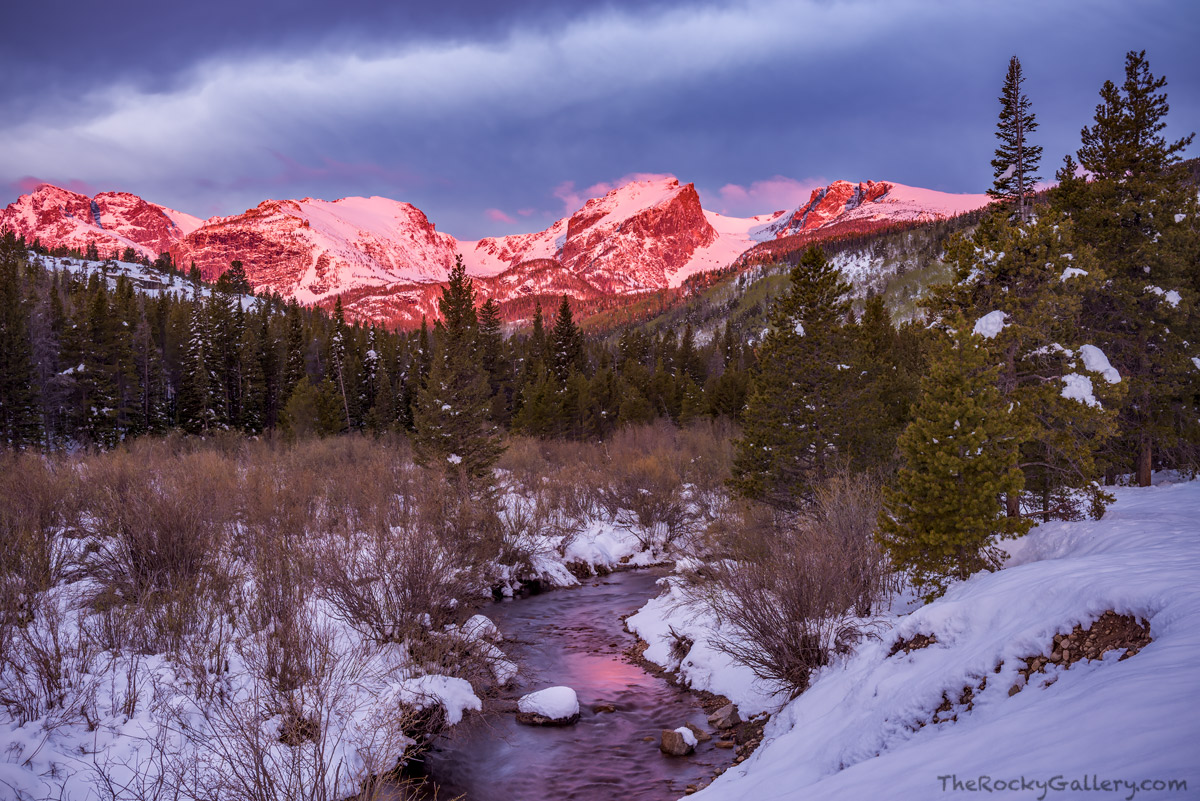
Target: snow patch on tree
(1079, 388)
(991, 324)
(1095, 361)
(1170, 296)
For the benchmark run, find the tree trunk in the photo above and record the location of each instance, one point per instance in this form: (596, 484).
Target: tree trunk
(1012, 504)
(1144, 463)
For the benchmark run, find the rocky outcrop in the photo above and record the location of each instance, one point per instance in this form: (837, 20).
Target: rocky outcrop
(617, 248)
(111, 221)
(826, 204)
(314, 249)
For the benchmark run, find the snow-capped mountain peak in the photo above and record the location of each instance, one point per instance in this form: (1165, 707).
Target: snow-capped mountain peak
(385, 259)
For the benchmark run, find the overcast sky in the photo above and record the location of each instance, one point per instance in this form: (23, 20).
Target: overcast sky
(500, 117)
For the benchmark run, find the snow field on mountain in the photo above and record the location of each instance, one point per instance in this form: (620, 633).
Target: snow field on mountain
(865, 727)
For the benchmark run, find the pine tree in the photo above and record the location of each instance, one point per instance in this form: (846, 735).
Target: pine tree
(200, 393)
(126, 377)
(794, 424)
(252, 388)
(294, 368)
(883, 388)
(1016, 162)
(1139, 212)
(457, 304)
(424, 354)
(19, 424)
(493, 361)
(452, 429)
(99, 392)
(566, 344)
(959, 455)
(1035, 277)
(338, 358)
(537, 338)
(234, 280)
(368, 378)
(268, 367)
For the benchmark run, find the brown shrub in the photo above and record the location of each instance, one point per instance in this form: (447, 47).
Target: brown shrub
(38, 500)
(161, 516)
(793, 589)
(396, 581)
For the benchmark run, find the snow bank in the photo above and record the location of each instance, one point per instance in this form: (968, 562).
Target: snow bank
(669, 617)
(864, 730)
(555, 703)
(454, 695)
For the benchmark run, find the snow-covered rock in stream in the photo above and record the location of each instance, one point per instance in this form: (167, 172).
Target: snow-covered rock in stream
(553, 706)
(677, 742)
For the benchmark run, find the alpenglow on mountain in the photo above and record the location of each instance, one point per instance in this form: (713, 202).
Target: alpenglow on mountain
(387, 261)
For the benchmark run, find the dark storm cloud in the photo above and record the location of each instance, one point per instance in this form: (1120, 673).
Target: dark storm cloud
(496, 118)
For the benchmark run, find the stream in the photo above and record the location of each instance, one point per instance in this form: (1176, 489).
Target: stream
(575, 638)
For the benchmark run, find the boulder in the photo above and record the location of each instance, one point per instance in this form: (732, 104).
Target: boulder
(678, 742)
(725, 718)
(700, 733)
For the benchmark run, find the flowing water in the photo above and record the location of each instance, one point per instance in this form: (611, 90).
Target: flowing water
(575, 638)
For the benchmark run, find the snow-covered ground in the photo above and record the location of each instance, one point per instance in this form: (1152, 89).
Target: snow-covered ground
(128, 720)
(865, 730)
(146, 280)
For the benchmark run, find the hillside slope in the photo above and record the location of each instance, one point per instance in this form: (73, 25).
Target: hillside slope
(876, 725)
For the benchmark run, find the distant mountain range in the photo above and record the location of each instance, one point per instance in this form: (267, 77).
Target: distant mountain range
(387, 261)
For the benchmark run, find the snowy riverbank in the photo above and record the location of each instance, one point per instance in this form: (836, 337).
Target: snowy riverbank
(866, 728)
(125, 723)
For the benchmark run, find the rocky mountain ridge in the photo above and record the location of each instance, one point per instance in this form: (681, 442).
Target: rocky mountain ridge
(387, 260)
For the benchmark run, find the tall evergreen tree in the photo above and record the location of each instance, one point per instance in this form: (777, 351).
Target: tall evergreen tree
(1016, 162)
(19, 424)
(338, 357)
(959, 453)
(200, 394)
(1034, 278)
(234, 279)
(883, 388)
(566, 344)
(452, 427)
(794, 423)
(1140, 212)
(493, 361)
(268, 367)
(99, 399)
(294, 368)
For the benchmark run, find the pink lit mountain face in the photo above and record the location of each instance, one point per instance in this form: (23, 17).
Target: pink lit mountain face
(386, 259)
(111, 220)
